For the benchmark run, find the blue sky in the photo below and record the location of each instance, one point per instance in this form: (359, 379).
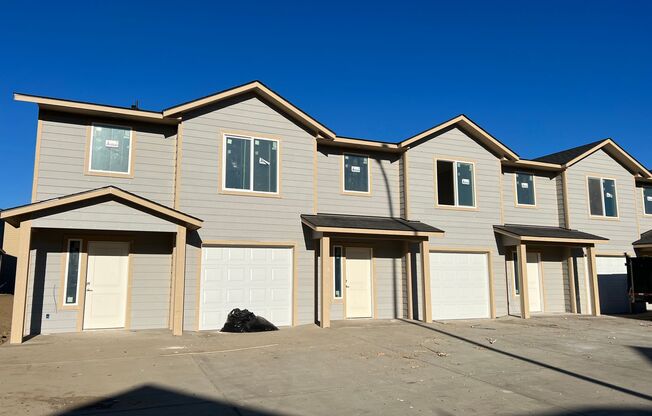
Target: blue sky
(540, 76)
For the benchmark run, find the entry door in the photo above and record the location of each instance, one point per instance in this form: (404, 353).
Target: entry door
(105, 304)
(534, 281)
(358, 283)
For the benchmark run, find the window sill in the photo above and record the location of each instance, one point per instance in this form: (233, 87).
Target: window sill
(354, 193)
(526, 206)
(109, 174)
(603, 218)
(245, 193)
(456, 208)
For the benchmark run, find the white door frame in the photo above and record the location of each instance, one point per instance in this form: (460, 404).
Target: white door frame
(372, 286)
(540, 280)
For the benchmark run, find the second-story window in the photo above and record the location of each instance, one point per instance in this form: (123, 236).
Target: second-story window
(525, 189)
(647, 200)
(356, 173)
(110, 149)
(602, 197)
(250, 164)
(455, 183)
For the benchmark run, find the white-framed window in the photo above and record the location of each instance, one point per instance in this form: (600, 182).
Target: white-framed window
(73, 270)
(110, 149)
(525, 193)
(250, 164)
(647, 200)
(602, 197)
(356, 173)
(338, 271)
(455, 183)
(517, 283)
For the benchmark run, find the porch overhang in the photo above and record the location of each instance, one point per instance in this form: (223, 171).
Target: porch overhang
(15, 216)
(536, 234)
(645, 241)
(369, 226)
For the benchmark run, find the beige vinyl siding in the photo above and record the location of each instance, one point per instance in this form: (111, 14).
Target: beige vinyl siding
(149, 302)
(63, 152)
(464, 228)
(622, 231)
(644, 221)
(244, 217)
(384, 198)
(109, 215)
(546, 211)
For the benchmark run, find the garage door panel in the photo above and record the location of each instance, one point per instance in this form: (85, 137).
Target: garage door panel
(612, 284)
(257, 278)
(459, 285)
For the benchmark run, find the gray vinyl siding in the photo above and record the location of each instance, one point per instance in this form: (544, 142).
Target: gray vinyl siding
(151, 281)
(62, 158)
(244, 217)
(151, 256)
(45, 263)
(621, 232)
(546, 211)
(644, 220)
(109, 215)
(464, 228)
(384, 198)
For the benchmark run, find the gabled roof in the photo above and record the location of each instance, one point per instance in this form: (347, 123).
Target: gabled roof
(82, 107)
(469, 127)
(364, 224)
(565, 156)
(538, 233)
(260, 89)
(569, 157)
(13, 215)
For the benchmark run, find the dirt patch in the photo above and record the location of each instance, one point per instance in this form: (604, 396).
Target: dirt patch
(6, 305)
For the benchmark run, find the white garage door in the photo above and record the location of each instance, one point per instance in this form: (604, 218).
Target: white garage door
(258, 279)
(459, 285)
(612, 284)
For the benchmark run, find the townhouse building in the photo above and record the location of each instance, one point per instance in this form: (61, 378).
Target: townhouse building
(169, 219)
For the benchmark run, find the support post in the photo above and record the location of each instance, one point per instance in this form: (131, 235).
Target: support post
(326, 282)
(571, 280)
(179, 280)
(408, 278)
(425, 273)
(523, 281)
(593, 281)
(20, 289)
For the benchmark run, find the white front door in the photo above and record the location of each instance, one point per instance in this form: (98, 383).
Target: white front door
(254, 278)
(105, 304)
(358, 283)
(534, 281)
(459, 285)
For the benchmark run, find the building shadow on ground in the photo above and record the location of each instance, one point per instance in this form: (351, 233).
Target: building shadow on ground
(152, 400)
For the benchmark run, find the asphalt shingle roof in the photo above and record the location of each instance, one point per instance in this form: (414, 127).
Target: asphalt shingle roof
(368, 223)
(567, 155)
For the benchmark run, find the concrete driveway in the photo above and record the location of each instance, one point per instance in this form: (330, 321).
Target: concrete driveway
(559, 365)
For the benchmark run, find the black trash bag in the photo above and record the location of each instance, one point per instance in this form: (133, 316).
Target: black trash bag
(241, 320)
